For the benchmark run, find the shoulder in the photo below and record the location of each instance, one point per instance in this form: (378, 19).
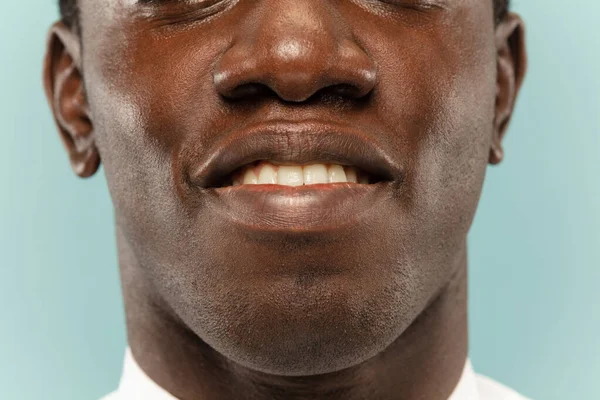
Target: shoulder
(489, 389)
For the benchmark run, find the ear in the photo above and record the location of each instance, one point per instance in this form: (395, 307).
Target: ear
(63, 83)
(511, 65)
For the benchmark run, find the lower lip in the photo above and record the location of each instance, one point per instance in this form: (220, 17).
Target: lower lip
(301, 209)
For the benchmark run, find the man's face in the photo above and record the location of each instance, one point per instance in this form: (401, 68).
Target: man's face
(290, 281)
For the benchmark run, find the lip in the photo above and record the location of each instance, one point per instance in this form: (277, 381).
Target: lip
(317, 208)
(298, 143)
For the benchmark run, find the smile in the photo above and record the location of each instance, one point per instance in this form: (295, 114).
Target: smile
(267, 172)
(291, 178)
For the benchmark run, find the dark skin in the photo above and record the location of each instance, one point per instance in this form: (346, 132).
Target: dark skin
(373, 309)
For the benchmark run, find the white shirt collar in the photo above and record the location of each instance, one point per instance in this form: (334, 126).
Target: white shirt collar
(136, 385)
(466, 389)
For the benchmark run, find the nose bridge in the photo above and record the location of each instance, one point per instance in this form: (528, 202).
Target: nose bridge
(295, 47)
(298, 31)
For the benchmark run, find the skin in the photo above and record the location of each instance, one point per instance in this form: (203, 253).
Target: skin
(375, 310)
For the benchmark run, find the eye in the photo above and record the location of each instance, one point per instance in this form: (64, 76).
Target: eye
(179, 4)
(207, 3)
(181, 11)
(415, 4)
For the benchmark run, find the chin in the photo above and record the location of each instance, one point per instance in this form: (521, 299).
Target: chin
(291, 326)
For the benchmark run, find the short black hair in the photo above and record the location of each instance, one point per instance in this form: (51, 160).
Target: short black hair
(501, 8)
(69, 11)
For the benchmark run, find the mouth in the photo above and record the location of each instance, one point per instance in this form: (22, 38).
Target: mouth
(295, 155)
(296, 178)
(266, 172)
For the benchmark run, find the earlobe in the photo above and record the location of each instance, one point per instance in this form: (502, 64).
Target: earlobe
(511, 67)
(65, 93)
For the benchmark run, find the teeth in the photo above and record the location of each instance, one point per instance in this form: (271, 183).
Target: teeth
(351, 175)
(337, 174)
(315, 173)
(250, 177)
(290, 175)
(268, 174)
(298, 175)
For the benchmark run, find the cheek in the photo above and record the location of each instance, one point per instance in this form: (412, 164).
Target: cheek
(449, 158)
(147, 94)
(137, 169)
(437, 93)
(453, 152)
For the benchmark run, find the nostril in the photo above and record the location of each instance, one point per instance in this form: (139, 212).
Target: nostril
(249, 71)
(249, 90)
(344, 91)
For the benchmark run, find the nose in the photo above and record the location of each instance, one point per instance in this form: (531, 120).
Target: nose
(295, 48)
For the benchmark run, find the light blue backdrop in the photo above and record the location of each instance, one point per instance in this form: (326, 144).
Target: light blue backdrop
(534, 247)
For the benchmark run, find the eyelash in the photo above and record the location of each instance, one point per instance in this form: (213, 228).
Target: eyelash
(420, 5)
(410, 3)
(181, 11)
(179, 2)
(175, 12)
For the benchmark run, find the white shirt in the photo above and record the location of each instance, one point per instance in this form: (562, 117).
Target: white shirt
(136, 385)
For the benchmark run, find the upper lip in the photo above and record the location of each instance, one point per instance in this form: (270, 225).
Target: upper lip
(294, 143)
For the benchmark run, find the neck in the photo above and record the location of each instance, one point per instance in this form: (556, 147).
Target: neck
(424, 362)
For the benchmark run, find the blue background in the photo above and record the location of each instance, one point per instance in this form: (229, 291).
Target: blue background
(534, 246)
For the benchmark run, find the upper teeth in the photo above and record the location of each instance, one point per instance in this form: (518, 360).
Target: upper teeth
(297, 175)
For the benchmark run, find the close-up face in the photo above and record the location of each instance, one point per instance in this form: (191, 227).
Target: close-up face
(194, 107)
